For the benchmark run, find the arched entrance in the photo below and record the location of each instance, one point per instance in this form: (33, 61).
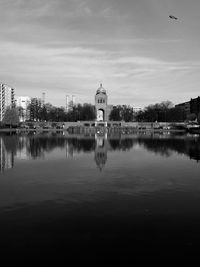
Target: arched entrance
(100, 115)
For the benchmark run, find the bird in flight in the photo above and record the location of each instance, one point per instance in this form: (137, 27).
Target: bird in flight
(172, 17)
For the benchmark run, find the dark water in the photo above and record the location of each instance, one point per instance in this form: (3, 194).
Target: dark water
(99, 198)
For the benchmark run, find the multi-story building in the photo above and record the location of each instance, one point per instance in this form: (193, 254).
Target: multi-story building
(6, 99)
(185, 106)
(22, 103)
(191, 107)
(195, 106)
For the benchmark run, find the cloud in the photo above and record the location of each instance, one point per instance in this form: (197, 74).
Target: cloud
(81, 69)
(72, 45)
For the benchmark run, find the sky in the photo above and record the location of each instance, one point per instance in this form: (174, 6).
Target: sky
(132, 47)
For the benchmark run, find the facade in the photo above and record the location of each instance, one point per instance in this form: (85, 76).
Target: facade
(195, 106)
(191, 107)
(22, 102)
(185, 107)
(101, 105)
(6, 99)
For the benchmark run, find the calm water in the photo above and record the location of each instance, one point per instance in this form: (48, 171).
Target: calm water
(99, 197)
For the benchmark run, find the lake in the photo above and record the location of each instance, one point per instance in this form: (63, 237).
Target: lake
(90, 197)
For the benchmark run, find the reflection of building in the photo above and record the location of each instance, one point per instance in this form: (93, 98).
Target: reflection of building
(192, 148)
(22, 151)
(6, 98)
(22, 103)
(101, 151)
(101, 104)
(6, 158)
(22, 154)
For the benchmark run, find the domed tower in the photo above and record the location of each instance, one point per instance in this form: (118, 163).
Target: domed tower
(101, 104)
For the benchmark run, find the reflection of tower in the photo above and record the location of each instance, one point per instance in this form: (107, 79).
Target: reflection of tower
(6, 158)
(101, 151)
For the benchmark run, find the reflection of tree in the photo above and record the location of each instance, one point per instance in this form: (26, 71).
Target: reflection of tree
(114, 143)
(11, 142)
(37, 145)
(85, 145)
(122, 144)
(159, 146)
(190, 147)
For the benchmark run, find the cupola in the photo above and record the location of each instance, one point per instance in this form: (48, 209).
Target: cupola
(101, 90)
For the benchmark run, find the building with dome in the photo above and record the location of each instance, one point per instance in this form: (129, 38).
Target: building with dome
(101, 105)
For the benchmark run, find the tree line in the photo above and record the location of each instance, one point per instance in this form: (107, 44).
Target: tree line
(160, 112)
(48, 112)
(122, 113)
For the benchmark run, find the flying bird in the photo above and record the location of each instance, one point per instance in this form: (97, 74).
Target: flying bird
(172, 17)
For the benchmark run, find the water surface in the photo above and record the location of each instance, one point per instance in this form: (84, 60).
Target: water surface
(107, 195)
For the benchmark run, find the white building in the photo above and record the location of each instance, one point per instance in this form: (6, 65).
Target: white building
(6, 98)
(22, 103)
(70, 103)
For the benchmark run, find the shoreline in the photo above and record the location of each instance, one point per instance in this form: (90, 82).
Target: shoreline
(87, 129)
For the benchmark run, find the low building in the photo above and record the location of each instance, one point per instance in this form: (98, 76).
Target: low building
(22, 103)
